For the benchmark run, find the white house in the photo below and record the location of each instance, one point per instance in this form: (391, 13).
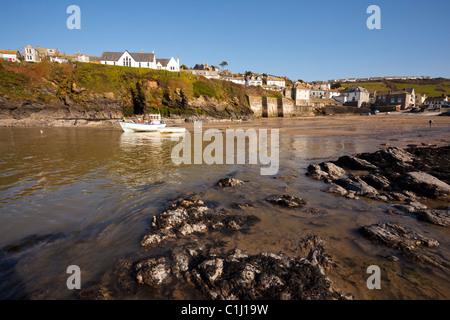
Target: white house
(357, 95)
(168, 64)
(301, 94)
(253, 81)
(437, 102)
(412, 99)
(238, 80)
(204, 73)
(139, 60)
(341, 98)
(10, 55)
(30, 54)
(330, 94)
(278, 82)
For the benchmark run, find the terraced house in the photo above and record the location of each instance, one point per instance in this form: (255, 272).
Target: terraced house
(139, 60)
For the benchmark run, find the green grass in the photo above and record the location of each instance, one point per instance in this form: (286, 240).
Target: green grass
(432, 88)
(205, 89)
(370, 86)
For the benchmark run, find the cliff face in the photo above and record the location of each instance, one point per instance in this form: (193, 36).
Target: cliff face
(49, 91)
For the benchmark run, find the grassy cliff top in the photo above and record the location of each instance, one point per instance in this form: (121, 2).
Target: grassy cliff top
(430, 87)
(25, 80)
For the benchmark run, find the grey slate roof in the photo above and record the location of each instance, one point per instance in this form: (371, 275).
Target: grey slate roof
(138, 57)
(143, 57)
(111, 56)
(164, 62)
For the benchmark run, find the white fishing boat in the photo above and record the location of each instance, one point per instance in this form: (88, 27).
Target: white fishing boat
(152, 124)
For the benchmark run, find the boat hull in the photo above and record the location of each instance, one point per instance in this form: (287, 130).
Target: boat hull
(140, 127)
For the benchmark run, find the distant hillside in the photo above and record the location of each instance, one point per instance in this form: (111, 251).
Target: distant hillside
(92, 91)
(430, 87)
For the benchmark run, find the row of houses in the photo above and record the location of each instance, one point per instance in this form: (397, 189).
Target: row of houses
(125, 58)
(378, 79)
(357, 96)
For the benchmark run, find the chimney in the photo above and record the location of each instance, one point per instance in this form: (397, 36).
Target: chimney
(142, 51)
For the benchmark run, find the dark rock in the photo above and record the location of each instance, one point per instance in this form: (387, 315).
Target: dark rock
(405, 208)
(334, 172)
(438, 217)
(153, 271)
(356, 184)
(286, 177)
(230, 182)
(190, 216)
(424, 183)
(377, 181)
(316, 172)
(354, 163)
(234, 274)
(242, 205)
(395, 236)
(334, 188)
(287, 201)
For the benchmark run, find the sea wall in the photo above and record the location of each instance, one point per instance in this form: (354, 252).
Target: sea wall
(277, 107)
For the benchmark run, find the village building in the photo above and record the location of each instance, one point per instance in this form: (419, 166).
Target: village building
(300, 93)
(330, 94)
(317, 92)
(400, 98)
(30, 54)
(204, 73)
(139, 60)
(236, 79)
(278, 82)
(420, 99)
(372, 97)
(437, 102)
(412, 98)
(357, 96)
(342, 98)
(253, 81)
(206, 67)
(10, 55)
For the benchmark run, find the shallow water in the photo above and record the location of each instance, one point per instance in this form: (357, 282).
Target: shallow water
(97, 189)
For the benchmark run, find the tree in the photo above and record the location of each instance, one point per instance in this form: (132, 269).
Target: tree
(248, 73)
(183, 67)
(223, 64)
(300, 80)
(335, 85)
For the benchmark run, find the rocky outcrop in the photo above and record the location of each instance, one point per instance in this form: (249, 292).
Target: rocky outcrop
(287, 201)
(438, 217)
(230, 182)
(193, 216)
(388, 175)
(424, 183)
(235, 274)
(413, 245)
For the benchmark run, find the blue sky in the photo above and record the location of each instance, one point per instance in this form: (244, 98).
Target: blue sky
(309, 40)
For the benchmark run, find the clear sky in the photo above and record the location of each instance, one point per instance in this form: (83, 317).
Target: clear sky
(309, 40)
